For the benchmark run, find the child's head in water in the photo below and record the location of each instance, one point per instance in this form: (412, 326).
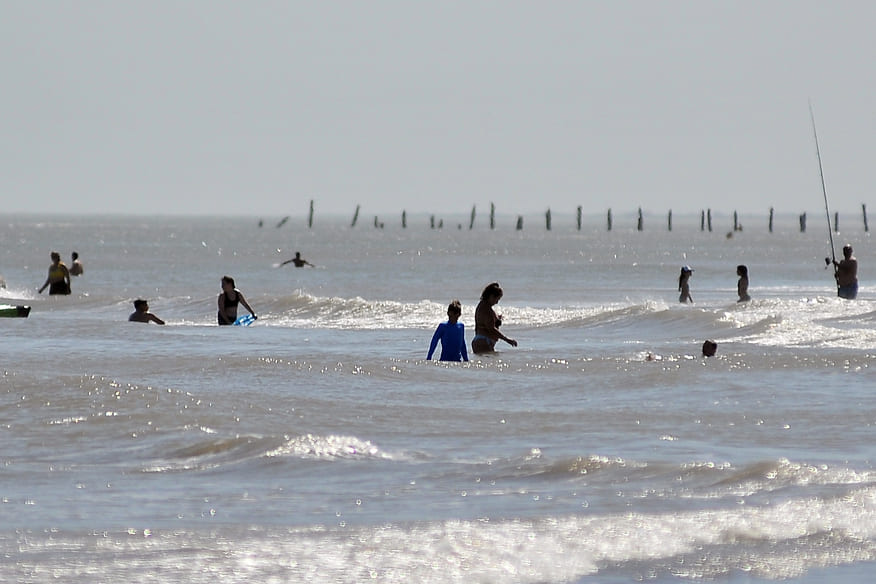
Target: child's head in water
(454, 311)
(710, 348)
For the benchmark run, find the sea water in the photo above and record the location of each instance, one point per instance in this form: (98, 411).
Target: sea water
(319, 445)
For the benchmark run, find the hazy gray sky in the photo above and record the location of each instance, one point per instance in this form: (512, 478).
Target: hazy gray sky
(257, 107)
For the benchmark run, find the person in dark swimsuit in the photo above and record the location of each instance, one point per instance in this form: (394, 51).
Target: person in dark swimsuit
(487, 322)
(229, 298)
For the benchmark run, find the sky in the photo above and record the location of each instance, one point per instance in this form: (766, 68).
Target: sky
(256, 108)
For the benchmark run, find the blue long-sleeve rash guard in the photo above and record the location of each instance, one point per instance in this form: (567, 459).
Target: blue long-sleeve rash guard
(452, 337)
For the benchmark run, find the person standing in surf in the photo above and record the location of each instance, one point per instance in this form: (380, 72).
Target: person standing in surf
(76, 268)
(58, 280)
(846, 274)
(684, 285)
(487, 322)
(742, 284)
(228, 300)
(452, 336)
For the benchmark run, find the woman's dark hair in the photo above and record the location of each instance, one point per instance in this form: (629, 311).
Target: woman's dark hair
(230, 280)
(491, 290)
(742, 270)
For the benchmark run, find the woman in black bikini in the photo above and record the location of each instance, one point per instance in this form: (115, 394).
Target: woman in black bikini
(228, 301)
(487, 322)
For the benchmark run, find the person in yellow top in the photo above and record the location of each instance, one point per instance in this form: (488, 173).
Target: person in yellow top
(58, 280)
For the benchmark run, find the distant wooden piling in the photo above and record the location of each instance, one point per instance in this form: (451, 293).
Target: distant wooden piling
(471, 222)
(441, 224)
(640, 224)
(492, 216)
(579, 217)
(520, 223)
(355, 217)
(735, 221)
(310, 217)
(864, 211)
(803, 223)
(771, 219)
(282, 221)
(836, 222)
(709, 219)
(669, 220)
(432, 221)
(547, 220)
(702, 220)
(404, 219)
(608, 219)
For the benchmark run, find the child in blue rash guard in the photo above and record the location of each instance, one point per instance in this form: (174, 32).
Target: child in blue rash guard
(452, 336)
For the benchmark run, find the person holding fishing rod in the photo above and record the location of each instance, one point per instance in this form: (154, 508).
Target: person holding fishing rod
(846, 274)
(845, 270)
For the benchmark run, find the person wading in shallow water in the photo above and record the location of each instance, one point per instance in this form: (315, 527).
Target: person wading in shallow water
(228, 300)
(846, 275)
(684, 284)
(58, 280)
(487, 322)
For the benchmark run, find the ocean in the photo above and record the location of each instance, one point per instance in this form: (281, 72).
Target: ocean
(319, 445)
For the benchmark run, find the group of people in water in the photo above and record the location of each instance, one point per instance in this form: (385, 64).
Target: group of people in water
(451, 334)
(58, 279)
(487, 333)
(687, 272)
(845, 273)
(228, 301)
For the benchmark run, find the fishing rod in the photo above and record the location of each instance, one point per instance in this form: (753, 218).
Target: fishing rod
(832, 257)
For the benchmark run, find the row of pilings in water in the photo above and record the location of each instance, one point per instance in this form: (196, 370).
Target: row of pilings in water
(705, 220)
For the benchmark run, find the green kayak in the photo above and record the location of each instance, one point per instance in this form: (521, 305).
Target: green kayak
(7, 310)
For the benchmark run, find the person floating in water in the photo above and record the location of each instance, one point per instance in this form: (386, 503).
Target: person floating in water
(76, 268)
(58, 280)
(299, 261)
(228, 300)
(742, 284)
(141, 313)
(710, 348)
(846, 274)
(487, 322)
(452, 336)
(684, 285)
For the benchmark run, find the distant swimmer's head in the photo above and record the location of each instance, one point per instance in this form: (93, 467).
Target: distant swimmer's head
(847, 250)
(75, 256)
(686, 269)
(56, 257)
(492, 291)
(710, 348)
(228, 280)
(141, 305)
(742, 270)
